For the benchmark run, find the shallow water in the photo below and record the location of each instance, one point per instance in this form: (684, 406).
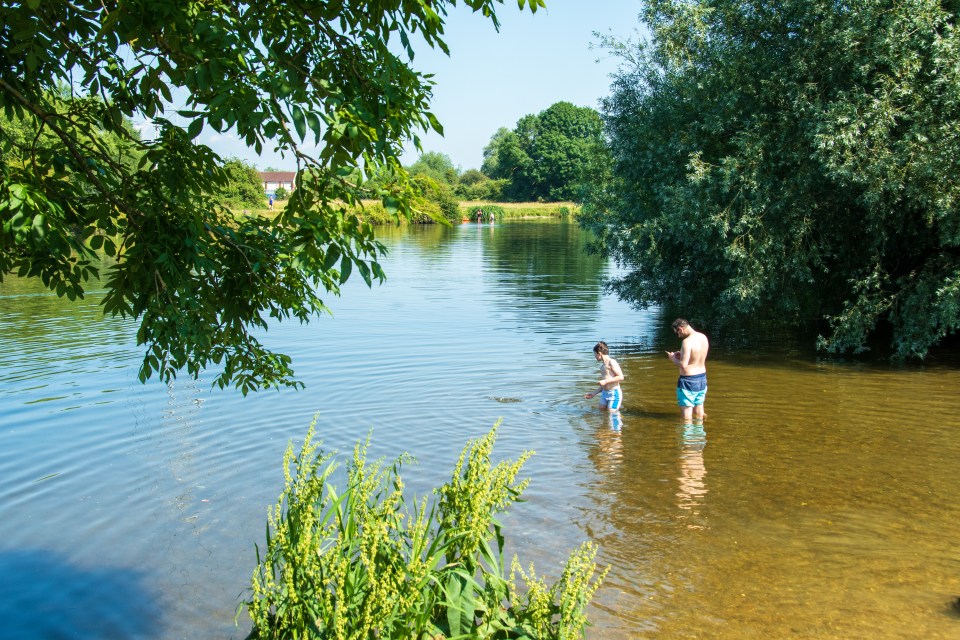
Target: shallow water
(819, 498)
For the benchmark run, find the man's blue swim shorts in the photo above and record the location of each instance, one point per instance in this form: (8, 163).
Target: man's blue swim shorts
(692, 390)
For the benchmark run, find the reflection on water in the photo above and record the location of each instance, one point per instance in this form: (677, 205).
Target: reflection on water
(825, 506)
(609, 435)
(616, 421)
(693, 471)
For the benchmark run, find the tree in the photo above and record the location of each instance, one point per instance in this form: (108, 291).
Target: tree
(471, 177)
(797, 159)
(475, 185)
(491, 153)
(20, 137)
(437, 166)
(515, 166)
(243, 186)
(545, 155)
(201, 282)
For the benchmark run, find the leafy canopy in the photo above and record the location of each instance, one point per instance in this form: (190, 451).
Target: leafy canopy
(545, 155)
(437, 166)
(202, 281)
(798, 158)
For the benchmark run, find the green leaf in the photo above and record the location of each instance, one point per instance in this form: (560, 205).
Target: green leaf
(365, 273)
(392, 205)
(331, 257)
(315, 125)
(434, 123)
(196, 126)
(299, 121)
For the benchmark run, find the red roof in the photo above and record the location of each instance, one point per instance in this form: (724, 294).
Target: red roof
(278, 176)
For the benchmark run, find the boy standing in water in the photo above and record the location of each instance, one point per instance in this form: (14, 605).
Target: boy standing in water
(691, 359)
(611, 397)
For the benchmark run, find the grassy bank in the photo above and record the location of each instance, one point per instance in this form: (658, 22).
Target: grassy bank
(524, 209)
(374, 212)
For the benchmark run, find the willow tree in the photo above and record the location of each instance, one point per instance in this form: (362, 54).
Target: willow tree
(797, 158)
(292, 76)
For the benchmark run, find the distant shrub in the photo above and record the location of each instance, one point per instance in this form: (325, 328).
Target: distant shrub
(360, 562)
(242, 188)
(439, 194)
(374, 213)
(474, 185)
(281, 194)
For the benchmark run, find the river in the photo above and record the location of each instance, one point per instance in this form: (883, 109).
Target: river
(820, 498)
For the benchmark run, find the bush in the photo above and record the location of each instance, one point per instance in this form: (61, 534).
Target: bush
(474, 185)
(374, 213)
(281, 194)
(242, 188)
(360, 563)
(435, 199)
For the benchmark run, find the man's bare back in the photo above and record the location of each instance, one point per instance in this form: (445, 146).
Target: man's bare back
(692, 357)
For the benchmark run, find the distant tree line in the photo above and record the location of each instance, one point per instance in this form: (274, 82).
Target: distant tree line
(545, 158)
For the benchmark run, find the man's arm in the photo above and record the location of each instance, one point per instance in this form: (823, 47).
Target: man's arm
(683, 359)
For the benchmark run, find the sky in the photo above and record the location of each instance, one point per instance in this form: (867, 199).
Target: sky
(491, 80)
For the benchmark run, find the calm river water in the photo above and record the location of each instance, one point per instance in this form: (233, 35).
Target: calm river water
(820, 500)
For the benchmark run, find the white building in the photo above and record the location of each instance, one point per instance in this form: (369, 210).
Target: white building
(272, 180)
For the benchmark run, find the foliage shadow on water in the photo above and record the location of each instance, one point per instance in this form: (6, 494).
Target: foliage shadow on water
(45, 595)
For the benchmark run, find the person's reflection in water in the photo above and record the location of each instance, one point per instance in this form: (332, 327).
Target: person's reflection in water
(690, 497)
(609, 443)
(616, 422)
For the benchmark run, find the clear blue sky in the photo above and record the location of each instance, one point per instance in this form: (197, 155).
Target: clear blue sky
(491, 80)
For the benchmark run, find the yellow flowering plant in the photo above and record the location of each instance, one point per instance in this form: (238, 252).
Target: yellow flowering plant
(363, 563)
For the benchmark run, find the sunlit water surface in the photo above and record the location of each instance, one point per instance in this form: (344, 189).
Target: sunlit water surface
(819, 500)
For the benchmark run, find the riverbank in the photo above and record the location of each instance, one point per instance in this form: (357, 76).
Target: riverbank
(375, 213)
(524, 209)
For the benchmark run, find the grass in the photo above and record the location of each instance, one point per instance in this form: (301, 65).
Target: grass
(525, 209)
(513, 210)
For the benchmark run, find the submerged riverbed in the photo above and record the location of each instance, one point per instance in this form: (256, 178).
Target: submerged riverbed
(820, 498)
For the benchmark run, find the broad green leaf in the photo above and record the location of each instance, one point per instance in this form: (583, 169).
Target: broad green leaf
(195, 127)
(299, 121)
(331, 257)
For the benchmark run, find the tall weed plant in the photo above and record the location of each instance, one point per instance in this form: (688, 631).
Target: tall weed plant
(363, 562)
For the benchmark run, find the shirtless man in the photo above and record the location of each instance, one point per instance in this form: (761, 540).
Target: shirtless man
(691, 359)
